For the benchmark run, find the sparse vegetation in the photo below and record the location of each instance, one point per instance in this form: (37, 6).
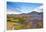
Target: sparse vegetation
(22, 22)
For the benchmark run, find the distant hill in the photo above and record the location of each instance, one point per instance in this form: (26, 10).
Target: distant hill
(32, 15)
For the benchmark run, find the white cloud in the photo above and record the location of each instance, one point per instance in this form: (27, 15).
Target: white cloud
(38, 9)
(9, 11)
(13, 13)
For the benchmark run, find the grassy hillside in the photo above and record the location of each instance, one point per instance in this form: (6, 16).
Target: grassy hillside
(16, 23)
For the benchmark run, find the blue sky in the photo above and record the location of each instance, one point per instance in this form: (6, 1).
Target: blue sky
(22, 7)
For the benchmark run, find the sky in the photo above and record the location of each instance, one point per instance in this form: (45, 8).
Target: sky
(22, 7)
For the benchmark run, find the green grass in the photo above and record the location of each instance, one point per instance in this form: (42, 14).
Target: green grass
(19, 27)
